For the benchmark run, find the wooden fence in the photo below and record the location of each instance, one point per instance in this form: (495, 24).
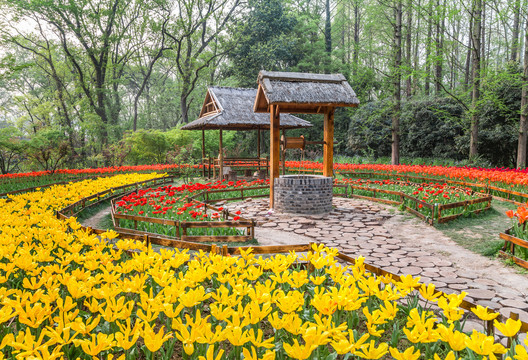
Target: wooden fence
(181, 227)
(108, 194)
(436, 209)
(205, 198)
(497, 193)
(509, 242)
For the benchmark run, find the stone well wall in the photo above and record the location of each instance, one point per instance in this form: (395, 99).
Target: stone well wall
(303, 194)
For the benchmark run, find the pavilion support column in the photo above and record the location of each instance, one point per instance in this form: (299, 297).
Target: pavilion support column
(328, 152)
(283, 154)
(203, 152)
(258, 148)
(274, 149)
(221, 157)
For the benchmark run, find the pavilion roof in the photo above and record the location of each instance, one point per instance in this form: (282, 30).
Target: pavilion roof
(229, 108)
(303, 92)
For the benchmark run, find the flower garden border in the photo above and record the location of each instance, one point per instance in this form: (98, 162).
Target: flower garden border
(436, 209)
(182, 226)
(488, 189)
(68, 211)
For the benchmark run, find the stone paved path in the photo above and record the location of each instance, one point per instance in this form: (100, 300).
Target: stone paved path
(401, 246)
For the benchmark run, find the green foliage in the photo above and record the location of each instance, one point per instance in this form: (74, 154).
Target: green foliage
(11, 147)
(264, 41)
(153, 146)
(48, 149)
(429, 129)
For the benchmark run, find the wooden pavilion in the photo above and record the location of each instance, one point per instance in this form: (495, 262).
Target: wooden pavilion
(288, 92)
(228, 108)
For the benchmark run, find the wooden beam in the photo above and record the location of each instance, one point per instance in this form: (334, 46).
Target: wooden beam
(283, 154)
(203, 151)
(220, 157)
(258, 147)
(328, 152)
(274, 149)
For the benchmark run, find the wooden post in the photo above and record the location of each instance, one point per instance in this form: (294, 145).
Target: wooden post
(203, 151)
(283, 154)
(274, 149)
(328, 153)
(258, 148)
(221, 157)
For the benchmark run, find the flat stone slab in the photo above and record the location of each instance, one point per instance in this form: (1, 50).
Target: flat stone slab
(481, 294)
(514, 304)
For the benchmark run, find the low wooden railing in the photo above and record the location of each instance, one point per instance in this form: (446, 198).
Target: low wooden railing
(181, 227)
(436, 209)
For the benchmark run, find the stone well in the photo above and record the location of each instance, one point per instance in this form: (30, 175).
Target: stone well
(303, 194)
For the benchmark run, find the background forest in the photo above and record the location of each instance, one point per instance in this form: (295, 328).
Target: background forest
(87, 83)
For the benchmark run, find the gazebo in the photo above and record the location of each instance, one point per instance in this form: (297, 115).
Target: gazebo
(227, 108)
(288, 92)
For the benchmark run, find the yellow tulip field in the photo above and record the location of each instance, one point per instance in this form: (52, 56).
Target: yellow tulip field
(66, 293)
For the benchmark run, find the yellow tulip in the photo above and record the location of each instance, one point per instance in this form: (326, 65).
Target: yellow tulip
(210, 354)
(483, 344)
(408, 354)
(483, 313)
(429, 293)
(299, 352)
(154, 341)
(371, 351)
(510, 328)
(98, 343)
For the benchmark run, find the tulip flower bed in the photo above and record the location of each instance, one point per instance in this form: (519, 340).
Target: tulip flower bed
(66, 293)
(30, 180)
(182, 216)
(434, 202)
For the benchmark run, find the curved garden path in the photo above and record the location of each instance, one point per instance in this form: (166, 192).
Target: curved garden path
(400, 244)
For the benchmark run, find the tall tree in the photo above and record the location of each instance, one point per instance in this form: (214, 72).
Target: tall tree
(439, 44)
(476, 33)
(523, 124)
(515, 31)
(328, 28)
(195, 24)
(396, 76)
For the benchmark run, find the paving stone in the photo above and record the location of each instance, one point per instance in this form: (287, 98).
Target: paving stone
(459, 287)
(514, 304)
(486, 282)
(411, 270)
(269, 225)
(481, 294)
(452, 280)
(470, 325)
(506, 311)
(490, 304)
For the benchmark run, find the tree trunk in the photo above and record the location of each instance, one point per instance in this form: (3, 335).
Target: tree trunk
(356, 37)
(328, 28)
(475, 95)
(397, 83)
(515, 31)
(468, 56)
(428, 49)
(408, 47)
(523, 126)
(439, 44)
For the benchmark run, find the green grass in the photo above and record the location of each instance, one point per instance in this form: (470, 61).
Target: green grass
(88, 212)
(480, 233)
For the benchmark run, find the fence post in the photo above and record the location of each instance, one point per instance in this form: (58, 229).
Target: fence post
(224, 250)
